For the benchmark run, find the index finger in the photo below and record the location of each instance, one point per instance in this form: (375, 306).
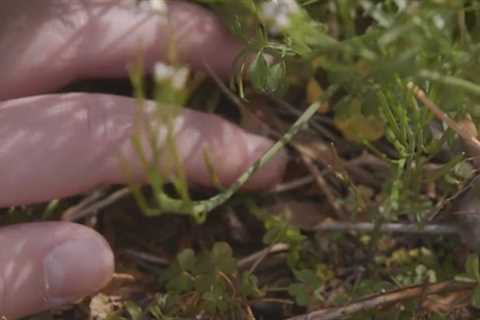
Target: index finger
(47, 44)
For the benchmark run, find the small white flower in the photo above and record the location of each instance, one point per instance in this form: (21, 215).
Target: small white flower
(401, 4)
(282, 21)
(180, 77)
(163, 71)
(277, 13)
(176, 76)
(439, 22)
(269, 10)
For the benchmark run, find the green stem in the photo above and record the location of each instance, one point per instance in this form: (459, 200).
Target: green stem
(451, 81)
(199, 209)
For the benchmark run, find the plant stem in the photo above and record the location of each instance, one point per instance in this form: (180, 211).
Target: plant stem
(451, 81)
(199, 209)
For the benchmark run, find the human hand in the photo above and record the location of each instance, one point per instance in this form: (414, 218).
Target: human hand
(57, 145)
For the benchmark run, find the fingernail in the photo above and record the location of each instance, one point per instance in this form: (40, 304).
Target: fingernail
(257, 145)
(75, 269)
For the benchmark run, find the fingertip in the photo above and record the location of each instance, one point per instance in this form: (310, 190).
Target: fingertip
(100, 39)
(272, 172)
(71, 272)
(51, 264)
(203, 39)
(186, 33)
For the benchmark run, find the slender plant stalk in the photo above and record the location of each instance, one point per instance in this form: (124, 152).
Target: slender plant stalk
(199, 209)
(451, 81)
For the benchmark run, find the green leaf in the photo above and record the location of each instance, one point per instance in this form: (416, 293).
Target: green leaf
(354, 124)
(267, 78)
(299, 292)
(216, 298)
(472, 267)
(181, 283)
(476, 297)
(306, 276)
(222, 256)
(279, 230)
(259, 72)
(134, 310)
(275, 77)
(249, 286)
(249, 4)
(186, 260)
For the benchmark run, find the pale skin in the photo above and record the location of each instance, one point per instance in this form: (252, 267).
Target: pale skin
(58, 145)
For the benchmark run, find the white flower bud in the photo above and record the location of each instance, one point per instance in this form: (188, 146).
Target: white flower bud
(180, 77)
(162, 71)
(277, 13)
(176, 76)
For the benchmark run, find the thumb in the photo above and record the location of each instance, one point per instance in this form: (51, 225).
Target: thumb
(50, 264)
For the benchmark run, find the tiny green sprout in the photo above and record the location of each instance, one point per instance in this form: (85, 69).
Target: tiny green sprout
(472, 275)
(135, 312)
(472, 267)
(476, 297)
(278, 230)
(170, 89)
(308, 289)
(209, 282)
(472, 270)
(268, 78)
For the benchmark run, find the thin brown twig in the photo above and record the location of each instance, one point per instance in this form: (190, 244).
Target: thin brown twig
(254, 259)
(380, 300)
(273, 300)
(147, 257)
(331, 198)
(250, 314)
(294, 184)
(77, 213)
(461, 130)
(409, 228)
(236, 100)
(88, 200)
(455, 197)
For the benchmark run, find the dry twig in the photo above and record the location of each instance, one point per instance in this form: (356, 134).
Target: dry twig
(381, 300)
(291, 185)
(87, 201)
(147, 257)
(410, 228)
(462, 130)
(322, 183)
(254, 259)
(85, 210)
